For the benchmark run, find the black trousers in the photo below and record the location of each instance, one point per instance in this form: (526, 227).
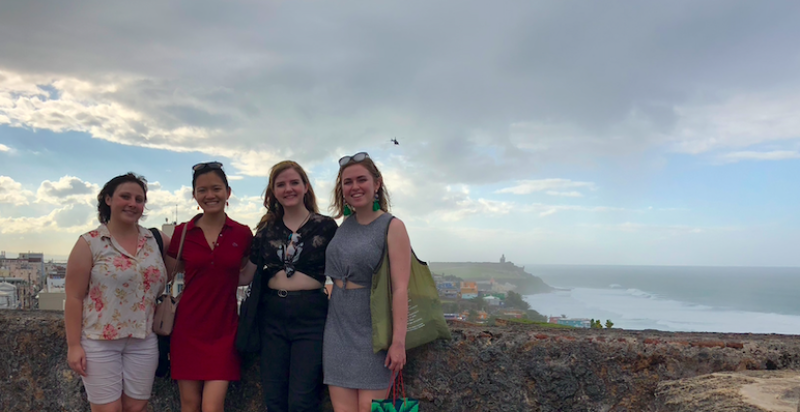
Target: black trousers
(291, 329)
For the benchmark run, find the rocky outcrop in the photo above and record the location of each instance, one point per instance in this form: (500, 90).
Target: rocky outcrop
(516, 368)
(756, 391)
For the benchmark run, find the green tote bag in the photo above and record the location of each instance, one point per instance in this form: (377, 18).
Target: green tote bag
(398, 402)
(425, 317)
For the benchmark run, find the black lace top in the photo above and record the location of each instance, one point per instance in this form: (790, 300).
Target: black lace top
(276, 248)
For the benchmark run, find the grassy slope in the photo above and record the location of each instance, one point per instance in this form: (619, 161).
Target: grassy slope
(501, 272)
(477, 271)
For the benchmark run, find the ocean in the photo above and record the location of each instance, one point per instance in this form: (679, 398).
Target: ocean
(674, 298)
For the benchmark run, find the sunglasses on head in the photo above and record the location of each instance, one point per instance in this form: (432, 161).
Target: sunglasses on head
(207, 165)
(354, 158)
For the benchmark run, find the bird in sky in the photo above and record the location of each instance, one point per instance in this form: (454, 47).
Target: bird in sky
(394, 141)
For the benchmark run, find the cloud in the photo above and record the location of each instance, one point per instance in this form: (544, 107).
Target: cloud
(544, 210)
(68, 219)
(662, 231)
(66, 190)
(737, 122)
(164, 205)
(479, 94)
(79, 214)
(564, 194)
(549, 186)
(4, 148)
(463, 206)
(61, 104)
(734, 157)
(11, 192)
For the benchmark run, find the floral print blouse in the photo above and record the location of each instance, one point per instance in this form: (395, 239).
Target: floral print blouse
(120, 302)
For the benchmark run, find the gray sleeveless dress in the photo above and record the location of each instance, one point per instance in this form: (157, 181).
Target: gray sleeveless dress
(352, 256)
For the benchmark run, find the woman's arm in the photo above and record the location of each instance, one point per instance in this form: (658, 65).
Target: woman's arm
(76, 284)
(400, 258)
(250, 263)
(247, 271)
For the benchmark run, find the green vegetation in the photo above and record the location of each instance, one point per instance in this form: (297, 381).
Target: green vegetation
(471, 271)
(450, 307)
(514, 300)
(473, 315)
(542, 324)
(597, 325)
(535, 316)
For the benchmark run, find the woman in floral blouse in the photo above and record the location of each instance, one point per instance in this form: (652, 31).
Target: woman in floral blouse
(114, 275)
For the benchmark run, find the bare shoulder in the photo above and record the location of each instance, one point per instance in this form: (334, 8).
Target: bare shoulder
(397, 224)
(81, 255)
(397, 231)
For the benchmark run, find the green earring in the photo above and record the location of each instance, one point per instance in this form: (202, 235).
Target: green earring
(347, 212)
(376, 204)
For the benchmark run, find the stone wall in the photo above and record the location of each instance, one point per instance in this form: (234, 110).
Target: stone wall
(517, 368)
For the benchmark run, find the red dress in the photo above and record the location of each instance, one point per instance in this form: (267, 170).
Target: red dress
(202, 342)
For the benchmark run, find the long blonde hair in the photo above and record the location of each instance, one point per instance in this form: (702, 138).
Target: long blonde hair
(337, 207)
(274, 208)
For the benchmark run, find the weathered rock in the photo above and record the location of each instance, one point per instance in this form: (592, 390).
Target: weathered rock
(517, 368)
(772, 391)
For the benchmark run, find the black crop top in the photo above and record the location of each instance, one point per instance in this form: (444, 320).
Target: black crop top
(276, 248)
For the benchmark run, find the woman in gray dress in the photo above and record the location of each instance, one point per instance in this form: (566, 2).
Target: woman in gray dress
(354, 374)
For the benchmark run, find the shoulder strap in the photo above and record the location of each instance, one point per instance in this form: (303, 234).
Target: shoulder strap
(177, 259)
(389, 223)
(157, 234)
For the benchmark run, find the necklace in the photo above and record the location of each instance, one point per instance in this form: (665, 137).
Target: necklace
(308, 216)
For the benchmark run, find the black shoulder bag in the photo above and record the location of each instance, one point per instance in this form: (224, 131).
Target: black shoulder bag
(247, 338)
(163, 341)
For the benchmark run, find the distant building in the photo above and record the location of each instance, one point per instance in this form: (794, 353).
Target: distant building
(469, 290)
(168, 229)
(52, 300)
(53, 296)
(482, 315)
(448, 289)
(574, 322)
(503, 288)
(484, 285)
(513, 313)
(503, 258)
(28, 267)
(492, 301)
(8, 296)
(35, 259)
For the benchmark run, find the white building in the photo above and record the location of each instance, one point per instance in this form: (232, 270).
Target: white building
(8, 296)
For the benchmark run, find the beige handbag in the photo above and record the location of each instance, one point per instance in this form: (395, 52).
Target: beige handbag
(167, 306)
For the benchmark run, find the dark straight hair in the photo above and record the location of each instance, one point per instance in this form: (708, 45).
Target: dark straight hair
(218, 170)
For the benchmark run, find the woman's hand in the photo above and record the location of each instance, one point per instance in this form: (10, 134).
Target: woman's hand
(396, 357)
(76, 358)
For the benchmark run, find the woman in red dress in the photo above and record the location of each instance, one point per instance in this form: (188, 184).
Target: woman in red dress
(203, 357)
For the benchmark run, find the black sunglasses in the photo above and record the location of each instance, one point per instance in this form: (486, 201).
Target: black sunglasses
(207, 165)
(360, 156)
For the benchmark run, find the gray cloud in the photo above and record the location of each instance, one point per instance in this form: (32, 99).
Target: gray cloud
(67, 186)
(481, 92)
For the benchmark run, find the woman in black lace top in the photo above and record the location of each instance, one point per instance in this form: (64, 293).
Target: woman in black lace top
(288, 254)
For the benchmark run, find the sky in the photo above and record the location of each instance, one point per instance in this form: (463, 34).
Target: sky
(618, 132)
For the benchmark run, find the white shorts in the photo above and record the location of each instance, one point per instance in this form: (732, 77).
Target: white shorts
(115, 366)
